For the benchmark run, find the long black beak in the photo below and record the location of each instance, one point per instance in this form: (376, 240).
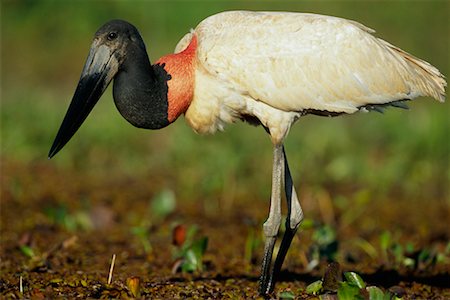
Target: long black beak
(101, 66)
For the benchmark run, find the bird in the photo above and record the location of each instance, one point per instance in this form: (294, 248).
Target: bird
(264, 68)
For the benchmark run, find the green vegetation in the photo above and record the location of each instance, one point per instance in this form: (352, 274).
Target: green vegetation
(286, 295)
(189, 252)
(352, 287)
(79, 220)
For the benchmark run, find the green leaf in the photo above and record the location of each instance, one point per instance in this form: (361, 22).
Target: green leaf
(192, 230)
(314, 288)
(190, 263)
(324, 235)
(307, 224)
(324, 238)
(397, 251)
(348, 291)
(385, 240)
(142, 234)
(355, 279)
(27, 251)
(424, 255)
(368, 248)
(286, 295)
(56, 280)
(163, 203)
(408, 262)
(376, 293)
(251, 244)
(199, 247)
(409, 248)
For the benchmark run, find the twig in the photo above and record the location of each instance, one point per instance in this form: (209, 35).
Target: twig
(113, 260)
(21, 284)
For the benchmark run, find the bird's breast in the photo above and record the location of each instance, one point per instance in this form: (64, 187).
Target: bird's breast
(216, 103)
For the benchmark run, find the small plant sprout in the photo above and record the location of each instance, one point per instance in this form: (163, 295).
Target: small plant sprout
(27, 251)
(252, 243)
(72, 221)
(405, 255)
(314, 288)
(163, 204)
(24, 245)
(324, 246)
(133, 284)
(286, 295)
(142, 235)
(376, 293)
(189, 253)
(355, 279)
(367, 247)
(352, 287)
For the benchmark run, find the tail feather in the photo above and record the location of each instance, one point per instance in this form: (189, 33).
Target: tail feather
(429, 82)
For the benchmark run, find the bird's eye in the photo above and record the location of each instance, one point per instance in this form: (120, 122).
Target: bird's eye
(112, 36)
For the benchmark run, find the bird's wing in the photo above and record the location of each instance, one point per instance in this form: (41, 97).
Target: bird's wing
(295, 62)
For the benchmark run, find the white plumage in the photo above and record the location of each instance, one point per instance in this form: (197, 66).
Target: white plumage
(278, 65)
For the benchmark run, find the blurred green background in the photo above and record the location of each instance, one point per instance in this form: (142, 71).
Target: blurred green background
(43, 48)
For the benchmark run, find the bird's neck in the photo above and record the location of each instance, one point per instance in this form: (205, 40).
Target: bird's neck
(153, 96)
(180, 67)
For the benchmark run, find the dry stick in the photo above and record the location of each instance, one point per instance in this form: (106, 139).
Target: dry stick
(111, 268)
(21, 284)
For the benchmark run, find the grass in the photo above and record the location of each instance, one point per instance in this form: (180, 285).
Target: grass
(351, 287)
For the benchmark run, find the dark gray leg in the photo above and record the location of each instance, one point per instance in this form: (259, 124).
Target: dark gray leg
(273, 222)
(293, 220)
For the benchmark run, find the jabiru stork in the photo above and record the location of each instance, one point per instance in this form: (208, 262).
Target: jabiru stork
(267, 68)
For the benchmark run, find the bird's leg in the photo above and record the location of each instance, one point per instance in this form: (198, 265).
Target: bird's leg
(273, 222)
(293, 220)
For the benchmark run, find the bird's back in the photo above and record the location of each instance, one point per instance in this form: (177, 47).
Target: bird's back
(295, 62)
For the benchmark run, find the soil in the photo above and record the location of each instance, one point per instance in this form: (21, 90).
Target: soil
(73, 223)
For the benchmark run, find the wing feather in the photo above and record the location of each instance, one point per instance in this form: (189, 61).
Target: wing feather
(295, 61)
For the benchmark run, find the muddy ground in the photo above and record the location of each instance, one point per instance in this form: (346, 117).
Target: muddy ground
(59, 230)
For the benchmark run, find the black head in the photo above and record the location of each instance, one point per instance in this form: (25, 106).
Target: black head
(112, 44)
(120, 36)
